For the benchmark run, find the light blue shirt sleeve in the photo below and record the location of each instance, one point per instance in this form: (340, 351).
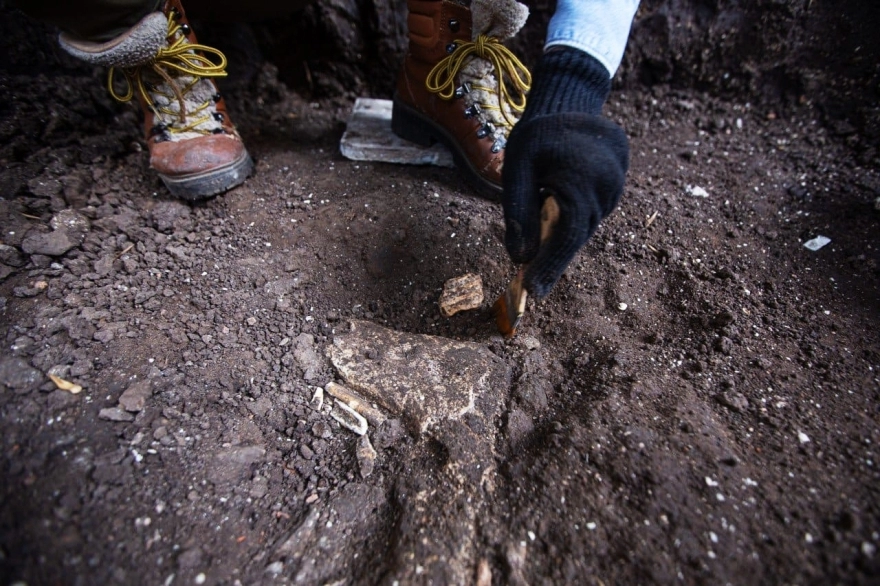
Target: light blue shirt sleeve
(598, 27)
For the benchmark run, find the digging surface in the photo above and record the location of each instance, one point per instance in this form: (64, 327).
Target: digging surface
(695, 402)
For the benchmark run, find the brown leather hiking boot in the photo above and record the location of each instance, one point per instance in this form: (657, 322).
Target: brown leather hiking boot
(193, 144)
(459, 85)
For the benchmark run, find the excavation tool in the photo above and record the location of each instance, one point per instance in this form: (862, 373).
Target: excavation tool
(511, 306)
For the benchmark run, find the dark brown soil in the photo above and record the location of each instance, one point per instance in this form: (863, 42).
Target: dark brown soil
(696, 402)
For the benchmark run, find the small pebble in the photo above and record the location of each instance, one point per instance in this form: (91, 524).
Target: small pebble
(622, 306)
(531, 343)
(115, 414)
(322, 430)
(366, 456)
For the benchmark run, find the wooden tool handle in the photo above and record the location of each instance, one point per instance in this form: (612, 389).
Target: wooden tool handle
(549, 217)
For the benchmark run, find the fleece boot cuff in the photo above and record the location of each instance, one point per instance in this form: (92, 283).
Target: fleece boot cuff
(134, 47)
(498, 18)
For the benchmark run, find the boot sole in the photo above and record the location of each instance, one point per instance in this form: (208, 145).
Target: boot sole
(410, 124)
(199, 186)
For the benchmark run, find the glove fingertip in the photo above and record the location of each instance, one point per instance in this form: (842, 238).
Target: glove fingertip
(545, 271)
(576, 224)
(540, 286)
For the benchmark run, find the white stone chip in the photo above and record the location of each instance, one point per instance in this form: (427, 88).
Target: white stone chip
(317, 399)
(696, 191)
(349, 418)
(275, 568)
(817, 243)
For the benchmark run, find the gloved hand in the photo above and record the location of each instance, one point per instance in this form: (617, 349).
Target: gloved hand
(561, 146)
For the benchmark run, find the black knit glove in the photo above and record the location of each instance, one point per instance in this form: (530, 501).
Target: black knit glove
(561, 146)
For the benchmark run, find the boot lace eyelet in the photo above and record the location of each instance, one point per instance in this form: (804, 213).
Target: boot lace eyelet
(164, 83)
(509, 80)
(454, 25)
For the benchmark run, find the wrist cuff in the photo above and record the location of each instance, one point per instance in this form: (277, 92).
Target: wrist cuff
(568, 80)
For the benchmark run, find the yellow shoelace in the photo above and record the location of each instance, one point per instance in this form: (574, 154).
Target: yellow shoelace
(441, 79)
(178, 56)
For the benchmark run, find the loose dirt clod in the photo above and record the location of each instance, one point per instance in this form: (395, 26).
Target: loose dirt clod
(115, 414)
(134, 398)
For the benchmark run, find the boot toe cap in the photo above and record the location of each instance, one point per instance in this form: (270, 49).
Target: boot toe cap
(195, 156)
(201, 167)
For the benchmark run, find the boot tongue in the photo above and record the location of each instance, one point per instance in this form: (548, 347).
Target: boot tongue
(497, 18)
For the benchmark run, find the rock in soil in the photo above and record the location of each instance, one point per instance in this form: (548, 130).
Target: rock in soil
(134, 398)
(19, 376)
(423, 379)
